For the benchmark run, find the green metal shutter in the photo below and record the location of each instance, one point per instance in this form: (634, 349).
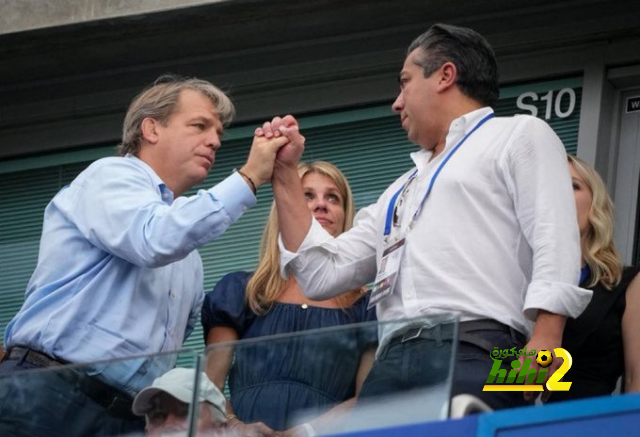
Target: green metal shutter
(552, 99)
(368, 145)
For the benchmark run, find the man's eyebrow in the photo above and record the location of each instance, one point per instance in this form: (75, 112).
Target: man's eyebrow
(209, 121)
(204, 118)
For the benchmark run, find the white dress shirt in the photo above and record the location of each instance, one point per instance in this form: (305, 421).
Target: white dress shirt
(496, 238)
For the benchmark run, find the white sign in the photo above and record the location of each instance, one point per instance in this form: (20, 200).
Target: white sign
(553, 101)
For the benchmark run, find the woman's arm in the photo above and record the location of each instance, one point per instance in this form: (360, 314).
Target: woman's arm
(218, 364)
(219, 358)
(366, 363)
(631, 337)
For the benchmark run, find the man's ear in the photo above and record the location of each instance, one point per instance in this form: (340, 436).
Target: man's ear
(448, 76)
(149, 128)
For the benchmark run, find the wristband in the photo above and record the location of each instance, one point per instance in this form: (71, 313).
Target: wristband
(253, 185)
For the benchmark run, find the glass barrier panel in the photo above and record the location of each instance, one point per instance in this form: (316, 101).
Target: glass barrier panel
(47, 399)
(306, 382)
(293, 384)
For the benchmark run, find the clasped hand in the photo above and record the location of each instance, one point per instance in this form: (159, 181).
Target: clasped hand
(276, 143)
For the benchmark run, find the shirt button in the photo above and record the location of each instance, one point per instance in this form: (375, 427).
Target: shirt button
(244, 209)
(165, 195)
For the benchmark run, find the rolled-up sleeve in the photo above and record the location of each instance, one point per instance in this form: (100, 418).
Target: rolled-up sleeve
(537, 175)
(326, 266)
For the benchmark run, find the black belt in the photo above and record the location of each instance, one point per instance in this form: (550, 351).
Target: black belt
(466, 333)
(114, 401)
(32, 357)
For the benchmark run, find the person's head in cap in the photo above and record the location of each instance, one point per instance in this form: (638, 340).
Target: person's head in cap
(165, 404)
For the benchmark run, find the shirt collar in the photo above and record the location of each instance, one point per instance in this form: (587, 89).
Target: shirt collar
(463, 125)
(458, 129)
(165, 193)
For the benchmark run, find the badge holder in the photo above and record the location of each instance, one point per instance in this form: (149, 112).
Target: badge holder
(387, 275)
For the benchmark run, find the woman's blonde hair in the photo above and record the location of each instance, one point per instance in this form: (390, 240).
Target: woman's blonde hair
(598, 247)
(266, 284)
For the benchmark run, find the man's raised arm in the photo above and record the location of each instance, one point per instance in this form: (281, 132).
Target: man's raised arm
(293, 214)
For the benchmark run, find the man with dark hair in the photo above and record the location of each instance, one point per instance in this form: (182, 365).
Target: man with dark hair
(473, 56)
(118, 273)
(483, 228)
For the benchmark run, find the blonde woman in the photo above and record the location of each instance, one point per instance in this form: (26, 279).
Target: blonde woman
(604, 341)
(270, 385)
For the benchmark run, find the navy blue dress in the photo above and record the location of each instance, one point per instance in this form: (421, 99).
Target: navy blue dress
(280, 381)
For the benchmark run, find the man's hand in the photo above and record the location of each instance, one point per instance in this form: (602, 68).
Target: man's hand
(259, 165)
(256, 429)
(541, 343)
(293, 213)
(547, 335)
(290, 154)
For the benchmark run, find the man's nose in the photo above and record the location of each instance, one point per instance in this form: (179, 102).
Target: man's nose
(213, 141)
(398, 105)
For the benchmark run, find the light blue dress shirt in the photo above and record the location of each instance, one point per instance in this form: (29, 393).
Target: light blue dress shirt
(118, 273)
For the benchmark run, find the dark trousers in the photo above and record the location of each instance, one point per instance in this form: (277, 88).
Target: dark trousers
(42, 404)
(405, 366)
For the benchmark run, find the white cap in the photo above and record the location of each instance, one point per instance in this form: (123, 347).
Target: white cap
(179, 384)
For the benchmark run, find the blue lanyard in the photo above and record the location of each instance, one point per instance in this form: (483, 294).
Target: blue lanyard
(585, 272)
(394, 198)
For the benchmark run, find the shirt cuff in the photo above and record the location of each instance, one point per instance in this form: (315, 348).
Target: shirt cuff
(557, 298)
(314, 238)
(234, 194)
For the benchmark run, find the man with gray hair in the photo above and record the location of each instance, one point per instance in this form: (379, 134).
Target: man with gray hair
(118, 273)
(165, 405)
